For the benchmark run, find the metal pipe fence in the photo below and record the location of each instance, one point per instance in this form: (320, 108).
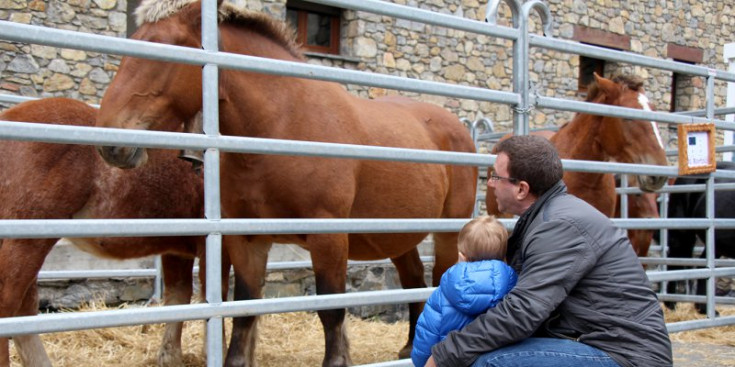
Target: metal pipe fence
(214, 226)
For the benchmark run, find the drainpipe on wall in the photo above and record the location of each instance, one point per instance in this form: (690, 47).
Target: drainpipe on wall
(729, 56)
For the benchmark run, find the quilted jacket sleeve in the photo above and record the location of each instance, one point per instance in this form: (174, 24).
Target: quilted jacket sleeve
(427, 329)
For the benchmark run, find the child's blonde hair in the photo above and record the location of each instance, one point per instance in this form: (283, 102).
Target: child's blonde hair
(483, 238)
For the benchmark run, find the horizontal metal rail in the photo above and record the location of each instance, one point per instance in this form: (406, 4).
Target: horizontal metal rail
(113, 45)
(51, 323)
(150, 273)
(83, 228)
(10, 130)
(684, 261)
(702, 113)
(573, 47)
(186, 55)
(661, 276)
(695, 299)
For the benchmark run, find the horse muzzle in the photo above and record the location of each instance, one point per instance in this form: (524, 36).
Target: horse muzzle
(123, 157)
(651, 183)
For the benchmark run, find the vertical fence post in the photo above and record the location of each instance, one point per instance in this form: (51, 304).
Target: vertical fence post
(486, 125)
(710, 207)
(729, 57)
(710, 245)
(210, 107)
(520, 48)
(158, 280)
(520, 14)
(624, 196)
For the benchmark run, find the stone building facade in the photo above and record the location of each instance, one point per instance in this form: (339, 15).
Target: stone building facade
(386, 45)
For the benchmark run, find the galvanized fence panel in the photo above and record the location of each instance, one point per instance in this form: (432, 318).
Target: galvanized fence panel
(214, 226)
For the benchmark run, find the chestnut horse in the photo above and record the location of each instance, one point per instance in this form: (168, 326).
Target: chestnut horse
(158, 95)
(62, 181)
(603, 138)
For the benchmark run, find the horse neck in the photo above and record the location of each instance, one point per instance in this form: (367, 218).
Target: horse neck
(264, 105)
(578, 139)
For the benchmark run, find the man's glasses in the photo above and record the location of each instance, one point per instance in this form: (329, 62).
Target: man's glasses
(495, 178)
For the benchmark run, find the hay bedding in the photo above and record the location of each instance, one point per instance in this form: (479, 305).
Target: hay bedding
(293, 339)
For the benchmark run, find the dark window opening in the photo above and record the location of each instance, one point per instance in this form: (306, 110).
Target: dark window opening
(131, 26)
(317, 26)
(679, 83)
(599, 38)
(588, 66)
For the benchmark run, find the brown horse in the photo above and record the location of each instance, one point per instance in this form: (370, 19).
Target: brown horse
(603, 138)
(61, 181)
(157, 95)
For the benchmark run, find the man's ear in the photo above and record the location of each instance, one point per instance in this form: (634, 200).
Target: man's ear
(522, 191)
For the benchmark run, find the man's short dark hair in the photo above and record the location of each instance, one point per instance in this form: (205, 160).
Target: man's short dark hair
(532, 159)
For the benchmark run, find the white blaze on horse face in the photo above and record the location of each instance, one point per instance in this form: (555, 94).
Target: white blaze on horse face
(643, 101)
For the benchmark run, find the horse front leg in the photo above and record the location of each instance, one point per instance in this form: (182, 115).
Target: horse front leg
(249, 261)
(445, 254)
(30, 347)
(329, 259)
(20, 262)
(411, 274)
(177, 280)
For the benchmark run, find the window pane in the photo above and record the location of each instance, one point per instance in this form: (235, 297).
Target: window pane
(318, 30)
(292, 18)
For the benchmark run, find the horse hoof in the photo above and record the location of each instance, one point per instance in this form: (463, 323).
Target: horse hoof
(702, 310)
(170, 360)
(405, 352)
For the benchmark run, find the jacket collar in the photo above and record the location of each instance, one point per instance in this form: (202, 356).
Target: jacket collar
(519, 231)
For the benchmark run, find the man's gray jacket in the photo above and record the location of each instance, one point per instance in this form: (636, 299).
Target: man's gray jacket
(578, 278)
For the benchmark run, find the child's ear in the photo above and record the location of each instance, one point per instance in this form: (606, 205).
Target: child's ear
(461, 257)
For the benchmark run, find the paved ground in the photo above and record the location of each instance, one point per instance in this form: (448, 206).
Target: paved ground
(703, 355)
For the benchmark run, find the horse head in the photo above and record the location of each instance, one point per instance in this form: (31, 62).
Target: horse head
(150, 94)
(629, 140)
(160, 95)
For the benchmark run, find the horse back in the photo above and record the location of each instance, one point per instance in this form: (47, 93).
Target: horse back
(43, 180)
(433, 127)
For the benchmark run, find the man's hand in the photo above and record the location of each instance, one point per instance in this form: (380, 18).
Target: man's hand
(430, 362)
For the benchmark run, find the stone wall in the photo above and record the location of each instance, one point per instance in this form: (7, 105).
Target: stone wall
(42, 71)
(71, 294)
(405, 48)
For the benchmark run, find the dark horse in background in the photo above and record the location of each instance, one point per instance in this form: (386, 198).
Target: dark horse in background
(610, 139)
(156, 95)
(64, 181)
(693, 205)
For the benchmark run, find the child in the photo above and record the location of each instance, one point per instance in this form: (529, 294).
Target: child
(477, 282)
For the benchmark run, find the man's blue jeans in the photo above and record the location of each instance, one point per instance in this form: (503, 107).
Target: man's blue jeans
(546, 352)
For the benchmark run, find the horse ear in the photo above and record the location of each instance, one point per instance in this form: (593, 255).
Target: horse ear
(606, 85)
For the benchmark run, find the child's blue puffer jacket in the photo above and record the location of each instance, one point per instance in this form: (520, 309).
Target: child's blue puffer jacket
(466, 290)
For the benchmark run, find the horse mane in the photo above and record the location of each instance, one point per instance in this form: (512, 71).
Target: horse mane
(276, 30)
(632, 82)
(151, 11)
